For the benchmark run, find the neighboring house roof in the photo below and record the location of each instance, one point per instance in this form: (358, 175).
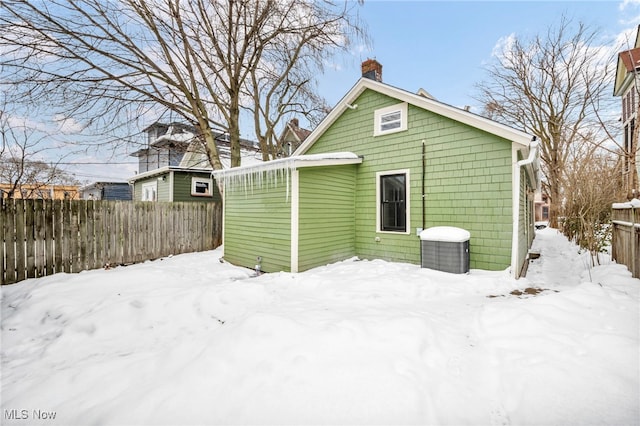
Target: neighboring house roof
(291, 137)
(179, 140)
(420, 101)
(101, 185)
(167, 169)
(293, 128)
(175, 126)
(630, 59)
(627, 67)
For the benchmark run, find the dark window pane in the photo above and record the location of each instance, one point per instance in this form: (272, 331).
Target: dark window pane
(202, 188)
(393, 203)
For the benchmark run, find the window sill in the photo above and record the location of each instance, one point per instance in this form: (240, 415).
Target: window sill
(393, 232)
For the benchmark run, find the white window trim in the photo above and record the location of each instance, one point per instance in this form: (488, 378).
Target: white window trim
(152, 185)
(208, 181)
(379, 113)
(407, 201)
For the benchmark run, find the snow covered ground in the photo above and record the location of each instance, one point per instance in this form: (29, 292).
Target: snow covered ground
(191, 340)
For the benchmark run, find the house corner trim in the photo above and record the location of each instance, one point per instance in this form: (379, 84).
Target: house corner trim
(295, 205)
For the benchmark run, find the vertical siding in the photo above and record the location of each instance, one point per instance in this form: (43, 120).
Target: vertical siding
(468, 181)
(326, 215)
(258, 223)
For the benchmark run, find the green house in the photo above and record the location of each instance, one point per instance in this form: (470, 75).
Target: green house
(174, 183)
(383, 165)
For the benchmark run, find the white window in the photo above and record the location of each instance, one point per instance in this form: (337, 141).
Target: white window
(392, 201)
(150, 191)
(201, 187)
(390, 119)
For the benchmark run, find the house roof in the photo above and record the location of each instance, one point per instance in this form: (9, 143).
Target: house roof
(167, 169)
(290, 163)
(102, 184)
(420, 101)
(299, 133)
(630, 59)
(628, 65)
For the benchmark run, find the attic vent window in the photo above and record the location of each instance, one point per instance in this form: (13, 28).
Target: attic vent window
(390, 119)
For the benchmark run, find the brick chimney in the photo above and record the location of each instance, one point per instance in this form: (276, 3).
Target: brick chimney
(372, 69)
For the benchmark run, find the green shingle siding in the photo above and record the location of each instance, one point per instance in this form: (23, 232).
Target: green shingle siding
(326, 215)
(468, 180)
(258, 223)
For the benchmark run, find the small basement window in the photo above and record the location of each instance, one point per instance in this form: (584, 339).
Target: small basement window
(392, 201)
(390, 119)
(201, 187)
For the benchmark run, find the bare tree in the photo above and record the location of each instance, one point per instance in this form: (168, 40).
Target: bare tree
(593, 183)
(102, 60)
(553, 87)
(20, 167)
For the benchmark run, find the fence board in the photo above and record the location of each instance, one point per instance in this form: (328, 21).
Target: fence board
(38, 236)
(83, 239)
(29, 240)
(43, 237)
(20, 236)
(3, 268)
(48, 235)
(91, 241)
(10, 245)
(57, 237)
(625, 244)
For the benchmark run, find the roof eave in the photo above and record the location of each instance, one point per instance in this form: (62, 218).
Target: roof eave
(166, 169)
(293, 162)
(419, 101)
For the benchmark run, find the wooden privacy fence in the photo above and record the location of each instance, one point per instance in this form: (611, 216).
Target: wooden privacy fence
(626, 237)
(43, 237)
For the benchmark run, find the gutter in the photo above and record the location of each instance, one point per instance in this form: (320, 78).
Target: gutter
(533, 158)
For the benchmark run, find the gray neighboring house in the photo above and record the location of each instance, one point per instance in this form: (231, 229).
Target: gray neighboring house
(174, 166)
(118, 191)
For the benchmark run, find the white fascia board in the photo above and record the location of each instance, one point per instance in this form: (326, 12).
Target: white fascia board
(457, 114)
(166, 169)
(292, 163)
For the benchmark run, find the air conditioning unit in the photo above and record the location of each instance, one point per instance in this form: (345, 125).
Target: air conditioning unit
(445, 248)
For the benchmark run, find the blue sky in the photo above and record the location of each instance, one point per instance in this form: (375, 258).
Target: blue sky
(441, 46)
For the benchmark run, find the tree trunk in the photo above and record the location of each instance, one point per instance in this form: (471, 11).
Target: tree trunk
(234, 130)
(554, 206)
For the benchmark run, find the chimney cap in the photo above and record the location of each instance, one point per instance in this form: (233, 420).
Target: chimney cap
(372, 69)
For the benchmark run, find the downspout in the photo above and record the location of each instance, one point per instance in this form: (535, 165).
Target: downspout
(515, 240)
(424, 223)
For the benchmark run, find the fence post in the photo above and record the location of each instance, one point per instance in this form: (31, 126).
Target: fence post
(634, 240)
(44, 237)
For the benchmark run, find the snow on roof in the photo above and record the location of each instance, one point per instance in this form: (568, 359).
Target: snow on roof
(293, 162)
(445, 233)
